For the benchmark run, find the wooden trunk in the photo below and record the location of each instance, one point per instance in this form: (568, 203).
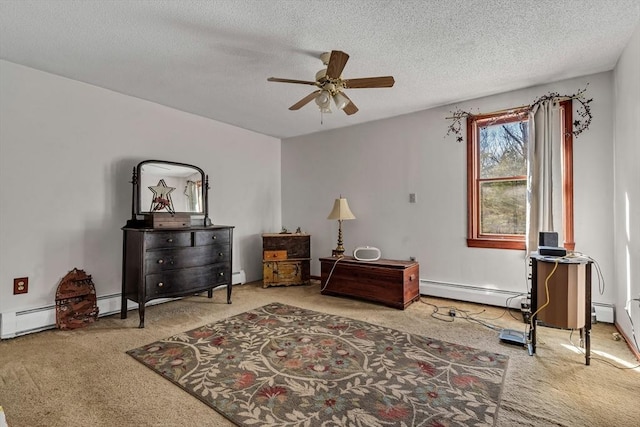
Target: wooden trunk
(390, 282)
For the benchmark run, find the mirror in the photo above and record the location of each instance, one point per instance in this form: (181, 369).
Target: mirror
(169, 187)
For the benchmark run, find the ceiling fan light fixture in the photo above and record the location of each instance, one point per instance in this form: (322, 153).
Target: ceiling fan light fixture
(324, 100)
(340, 100)
(329, 84)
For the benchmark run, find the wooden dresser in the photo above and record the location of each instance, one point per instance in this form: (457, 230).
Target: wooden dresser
(390, 282)
(163, 263)
(286, 259)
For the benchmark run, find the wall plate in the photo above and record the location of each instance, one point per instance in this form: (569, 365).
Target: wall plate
(20, 285)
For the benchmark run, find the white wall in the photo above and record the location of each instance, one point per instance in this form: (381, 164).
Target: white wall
(67, 150)
(376, 165)
(627, 184)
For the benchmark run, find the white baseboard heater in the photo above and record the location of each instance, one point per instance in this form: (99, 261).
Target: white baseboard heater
(14, 324)
(470, 293)
(495, 297)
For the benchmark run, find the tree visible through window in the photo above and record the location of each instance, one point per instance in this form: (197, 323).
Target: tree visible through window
(497, 146)
(497, 179)
(503, 178)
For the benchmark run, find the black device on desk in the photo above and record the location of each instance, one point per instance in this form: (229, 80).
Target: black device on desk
(551, 251)
(548, 244)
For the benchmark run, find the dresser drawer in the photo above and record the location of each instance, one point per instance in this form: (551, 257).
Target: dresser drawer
(211, 237)
(160, 260)
(274, 255)
(179, 282)
(169, 239)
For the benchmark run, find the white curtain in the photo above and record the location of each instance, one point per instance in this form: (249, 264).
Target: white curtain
(192, 192)
(544, 174)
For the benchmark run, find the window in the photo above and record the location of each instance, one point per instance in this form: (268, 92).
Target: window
(497, 178)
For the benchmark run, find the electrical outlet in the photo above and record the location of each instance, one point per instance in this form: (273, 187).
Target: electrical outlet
(412, 197)
(20, 285)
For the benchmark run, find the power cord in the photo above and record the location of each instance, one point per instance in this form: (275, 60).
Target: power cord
(580, 350)
(454, 312)
(507, 305)
(599, 275)
(448, 318)
(546, 289)
(331, 272)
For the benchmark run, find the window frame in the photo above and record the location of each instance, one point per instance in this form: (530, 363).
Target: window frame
(475, 239)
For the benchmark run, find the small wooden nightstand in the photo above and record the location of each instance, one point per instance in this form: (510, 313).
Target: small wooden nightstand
(286, 259)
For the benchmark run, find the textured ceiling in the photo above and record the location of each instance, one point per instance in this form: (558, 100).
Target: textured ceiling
(212, 58)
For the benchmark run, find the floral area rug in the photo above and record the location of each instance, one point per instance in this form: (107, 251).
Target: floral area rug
(280, 365)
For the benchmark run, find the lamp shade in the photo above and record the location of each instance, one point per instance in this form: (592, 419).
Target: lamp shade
(340, 100)
(323, 100)
(341, 210)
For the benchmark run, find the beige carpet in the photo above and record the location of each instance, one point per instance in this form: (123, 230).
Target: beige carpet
(85, 377)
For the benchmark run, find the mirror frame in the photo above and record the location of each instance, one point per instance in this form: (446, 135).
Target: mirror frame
(136, 202)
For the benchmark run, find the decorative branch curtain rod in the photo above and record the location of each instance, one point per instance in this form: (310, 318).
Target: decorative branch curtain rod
(584, 111)
(507, 110)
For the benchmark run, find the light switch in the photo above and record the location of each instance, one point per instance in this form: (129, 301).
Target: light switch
(412, 197)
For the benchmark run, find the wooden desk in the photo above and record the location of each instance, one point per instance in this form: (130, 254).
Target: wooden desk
(390, 282)
(569, 302)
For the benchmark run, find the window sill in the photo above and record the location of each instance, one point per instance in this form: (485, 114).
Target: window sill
(496, 244)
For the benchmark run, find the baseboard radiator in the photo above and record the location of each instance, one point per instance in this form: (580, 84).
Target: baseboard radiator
(14, 324)
(483, 295)
(470, 293)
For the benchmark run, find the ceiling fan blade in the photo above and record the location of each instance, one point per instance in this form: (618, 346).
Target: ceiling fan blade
(303, 82)
(367, 82)
(336, 64)
(304, 101)
(350, 108)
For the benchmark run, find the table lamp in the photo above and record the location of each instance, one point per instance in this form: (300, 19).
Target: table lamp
(340, 212)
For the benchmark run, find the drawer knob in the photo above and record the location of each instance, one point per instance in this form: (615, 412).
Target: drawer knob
(160, 261)
(220, 253)
(221, 273)
(160, 284)
(412, 277)
(214, 237)
(169, 240)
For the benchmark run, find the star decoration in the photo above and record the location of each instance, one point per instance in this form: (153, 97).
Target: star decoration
(161, 197)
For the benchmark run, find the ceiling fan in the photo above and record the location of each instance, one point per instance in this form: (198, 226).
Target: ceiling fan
(331, 85)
